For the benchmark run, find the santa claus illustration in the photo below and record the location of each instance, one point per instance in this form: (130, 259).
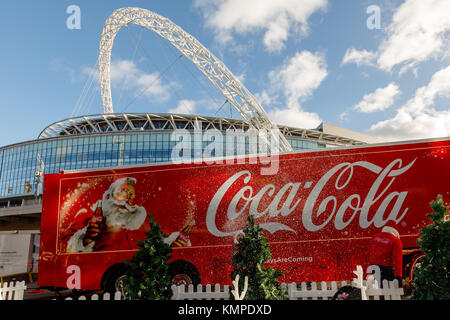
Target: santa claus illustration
(115, 223)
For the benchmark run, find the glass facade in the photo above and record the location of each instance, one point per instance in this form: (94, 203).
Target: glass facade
(18, 163)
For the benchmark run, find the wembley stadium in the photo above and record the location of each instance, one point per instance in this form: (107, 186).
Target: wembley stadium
(111, 140)
(114, 139)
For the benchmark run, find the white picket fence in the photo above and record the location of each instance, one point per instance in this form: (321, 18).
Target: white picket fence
(390, 290)
(313, 292)
(305, 291)
(370, 288)
(12, 290)
(219, 292)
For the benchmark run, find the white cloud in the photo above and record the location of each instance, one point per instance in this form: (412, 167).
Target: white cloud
(297, 78)
(294, 116)
(279, 19)
(277, 33)
(300, 75)
(418, 118)
(418, 32)
(127, 76)
(379, 100)
(344, 116)
(184, 106)
(263, 98)
(360, 57)
(241, 77)
(62, 66)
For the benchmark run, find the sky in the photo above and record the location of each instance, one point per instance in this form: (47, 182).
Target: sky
(374, 66)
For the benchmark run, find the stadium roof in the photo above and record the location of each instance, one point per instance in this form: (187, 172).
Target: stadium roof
(138, 122)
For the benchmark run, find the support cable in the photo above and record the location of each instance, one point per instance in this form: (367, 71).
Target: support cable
(151, 84)
(160, 73)
(85, 91)
(192, 75)
(132, 60)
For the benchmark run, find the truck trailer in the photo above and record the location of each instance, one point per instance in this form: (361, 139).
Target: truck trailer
(319, 210)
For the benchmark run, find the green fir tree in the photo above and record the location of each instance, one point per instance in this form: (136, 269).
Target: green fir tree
(431, 276)
(147, 275)
(249, 255)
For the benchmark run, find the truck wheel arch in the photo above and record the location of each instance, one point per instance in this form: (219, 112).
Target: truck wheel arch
(414, 261)
(409, 263)
(184, 272)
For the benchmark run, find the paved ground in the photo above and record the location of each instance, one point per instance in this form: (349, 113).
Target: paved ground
(33, 292)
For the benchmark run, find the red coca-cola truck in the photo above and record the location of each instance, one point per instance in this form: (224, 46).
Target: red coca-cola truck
(319, 210)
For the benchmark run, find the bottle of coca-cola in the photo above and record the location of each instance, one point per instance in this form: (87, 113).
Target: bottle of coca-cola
(94, 226)
(183, 239)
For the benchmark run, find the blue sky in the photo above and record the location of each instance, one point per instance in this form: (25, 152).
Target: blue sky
(305, 61)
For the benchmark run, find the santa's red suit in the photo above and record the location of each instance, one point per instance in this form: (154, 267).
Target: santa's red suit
(113, 223)
(120, 231)
(386, 249)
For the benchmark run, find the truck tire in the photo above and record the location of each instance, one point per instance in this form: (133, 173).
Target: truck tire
(183, 272)
(113, 279)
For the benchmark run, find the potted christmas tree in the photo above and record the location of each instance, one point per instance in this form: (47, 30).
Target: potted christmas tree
(432, 274)
(250, 253)
(147, 275)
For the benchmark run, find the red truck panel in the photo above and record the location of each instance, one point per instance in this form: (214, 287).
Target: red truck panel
(319, 210)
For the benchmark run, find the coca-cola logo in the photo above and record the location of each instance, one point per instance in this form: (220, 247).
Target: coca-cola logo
(357, 205)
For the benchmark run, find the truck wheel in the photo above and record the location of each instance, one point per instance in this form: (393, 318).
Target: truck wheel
(113, 279)
(183, 272)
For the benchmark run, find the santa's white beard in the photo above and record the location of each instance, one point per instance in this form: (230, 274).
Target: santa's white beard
(119, 214)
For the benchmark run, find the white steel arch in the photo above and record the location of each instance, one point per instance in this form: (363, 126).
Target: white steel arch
(214, 69)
